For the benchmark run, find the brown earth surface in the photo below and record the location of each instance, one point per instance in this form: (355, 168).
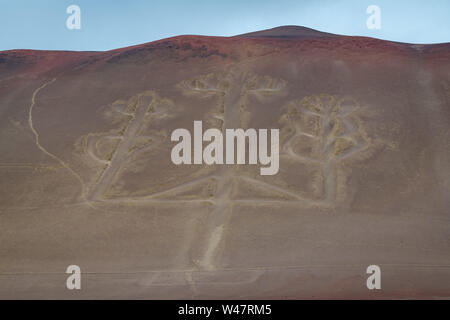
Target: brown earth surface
(86, 176)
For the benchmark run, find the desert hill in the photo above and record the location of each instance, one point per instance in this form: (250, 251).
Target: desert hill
(86, 176)
(289, 32)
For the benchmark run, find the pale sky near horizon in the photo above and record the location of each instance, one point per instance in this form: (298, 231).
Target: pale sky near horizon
(110, 24)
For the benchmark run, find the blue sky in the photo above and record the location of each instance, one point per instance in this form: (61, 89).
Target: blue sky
(110, 24)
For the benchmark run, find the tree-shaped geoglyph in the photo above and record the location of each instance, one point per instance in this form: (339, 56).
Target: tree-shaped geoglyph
(233, 89)
(115, 150)
(324, 131)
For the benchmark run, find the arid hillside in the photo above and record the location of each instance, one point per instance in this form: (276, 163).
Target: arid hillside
(86, 176)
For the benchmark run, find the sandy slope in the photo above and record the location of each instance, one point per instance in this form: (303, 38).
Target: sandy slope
(86, 176)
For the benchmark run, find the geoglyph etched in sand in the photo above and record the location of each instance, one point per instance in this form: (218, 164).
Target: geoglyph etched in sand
(115, 150)
(325, 131)
(233, 89)
(321, 131)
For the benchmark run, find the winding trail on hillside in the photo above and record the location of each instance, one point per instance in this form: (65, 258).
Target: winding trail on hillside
(40, 147)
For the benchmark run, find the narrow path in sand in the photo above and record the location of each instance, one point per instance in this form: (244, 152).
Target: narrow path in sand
(38, 144)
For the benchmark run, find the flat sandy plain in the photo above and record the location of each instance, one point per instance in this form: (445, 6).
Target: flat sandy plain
(86, 176)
